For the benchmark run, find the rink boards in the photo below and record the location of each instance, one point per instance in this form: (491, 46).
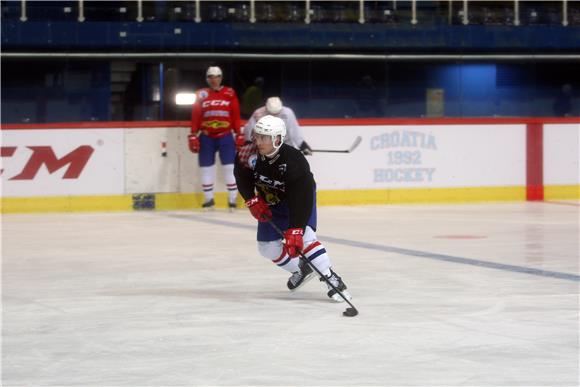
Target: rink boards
(123, 166)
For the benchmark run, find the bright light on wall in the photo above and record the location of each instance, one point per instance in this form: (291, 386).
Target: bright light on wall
(185, 98)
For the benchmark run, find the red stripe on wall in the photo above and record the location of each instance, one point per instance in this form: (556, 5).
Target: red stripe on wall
(305, 122)
(535, 162)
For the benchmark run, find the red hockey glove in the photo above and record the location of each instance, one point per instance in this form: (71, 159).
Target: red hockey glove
(240, 141)
(293, 241)
(193, 143)
(259, 209)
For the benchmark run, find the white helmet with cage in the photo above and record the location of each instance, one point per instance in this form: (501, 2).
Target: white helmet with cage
(273, 127)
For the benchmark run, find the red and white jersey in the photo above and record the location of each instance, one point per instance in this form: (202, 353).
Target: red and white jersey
(216, 112)
(294, 135)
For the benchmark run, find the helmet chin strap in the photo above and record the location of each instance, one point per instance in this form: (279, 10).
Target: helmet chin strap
(276, 149)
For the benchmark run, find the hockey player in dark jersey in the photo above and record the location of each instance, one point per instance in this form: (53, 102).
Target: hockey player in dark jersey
(275, 181)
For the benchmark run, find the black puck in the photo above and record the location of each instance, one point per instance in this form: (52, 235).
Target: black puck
(350, 312)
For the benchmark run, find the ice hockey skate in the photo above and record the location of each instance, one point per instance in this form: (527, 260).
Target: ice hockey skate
(232, 206)
(209, 205)
(334, 279)
(300, 277)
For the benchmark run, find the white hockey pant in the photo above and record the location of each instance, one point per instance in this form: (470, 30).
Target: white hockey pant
(313, 250)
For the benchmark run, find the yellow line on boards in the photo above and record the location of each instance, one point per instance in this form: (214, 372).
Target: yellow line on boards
(422, 195)
(66, 204)
(182, 201)
(562, 192)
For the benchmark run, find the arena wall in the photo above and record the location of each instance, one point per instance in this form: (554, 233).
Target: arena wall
(120, 166)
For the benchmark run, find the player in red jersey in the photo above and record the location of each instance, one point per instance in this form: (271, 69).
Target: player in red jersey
(214, 118)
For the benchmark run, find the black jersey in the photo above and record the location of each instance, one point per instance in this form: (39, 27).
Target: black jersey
(284, 179)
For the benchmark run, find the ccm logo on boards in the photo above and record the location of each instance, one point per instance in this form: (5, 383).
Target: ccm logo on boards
(75, 161)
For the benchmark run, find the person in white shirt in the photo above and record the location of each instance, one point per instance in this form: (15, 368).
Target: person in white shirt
(275, 108)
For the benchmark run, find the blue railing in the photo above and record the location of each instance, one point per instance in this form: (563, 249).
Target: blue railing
(163, 36)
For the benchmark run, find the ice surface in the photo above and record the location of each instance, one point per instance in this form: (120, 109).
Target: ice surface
(448, 295)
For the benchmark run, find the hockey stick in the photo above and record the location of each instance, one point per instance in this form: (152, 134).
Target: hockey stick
(356, 143)
(349, 312)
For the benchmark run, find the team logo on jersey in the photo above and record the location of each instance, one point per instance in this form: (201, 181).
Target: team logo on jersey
(252, 161)
(270, 196)
(215, 124)
(282, 168)
(268, 182)
(215, 103)
(203, 94)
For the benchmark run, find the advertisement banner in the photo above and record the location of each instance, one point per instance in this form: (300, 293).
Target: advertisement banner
(415, 156)
(62, 162)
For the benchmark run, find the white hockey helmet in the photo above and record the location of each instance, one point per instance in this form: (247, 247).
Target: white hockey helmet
(274, 105)
(213, 71)
(273, 127)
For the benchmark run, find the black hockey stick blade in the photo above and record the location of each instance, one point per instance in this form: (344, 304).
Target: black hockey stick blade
(356, 143)
(349, 312)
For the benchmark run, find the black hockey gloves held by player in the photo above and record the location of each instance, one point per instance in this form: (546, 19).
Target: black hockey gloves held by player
(259, 209)
(305, 149)
(193, 143)
(293, 241)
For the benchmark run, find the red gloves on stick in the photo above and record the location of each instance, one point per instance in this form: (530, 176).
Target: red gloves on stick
(193, 143)
(259, 209)
(292, 237)
(293, 241)
(240, 141)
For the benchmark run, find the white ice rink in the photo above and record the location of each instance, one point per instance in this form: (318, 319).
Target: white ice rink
(470, 295)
